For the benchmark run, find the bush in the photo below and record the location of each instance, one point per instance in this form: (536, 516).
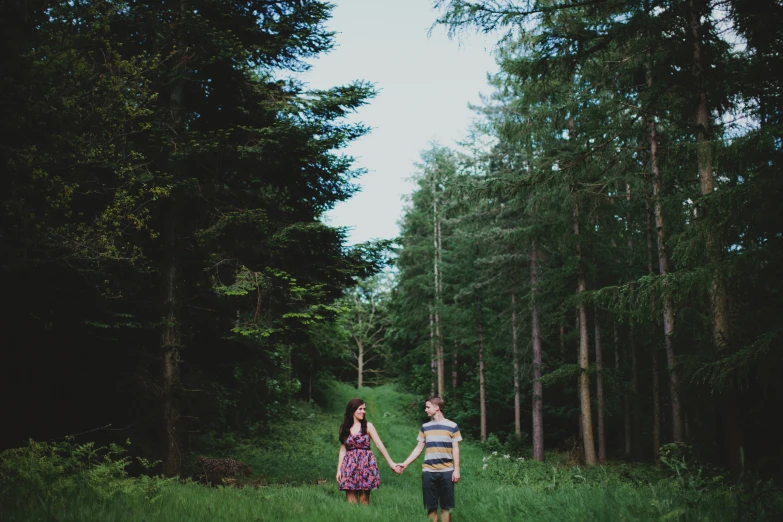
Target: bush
(517, 445)
(546, 476)
(681, 489)
(48, 473)
(492, 444)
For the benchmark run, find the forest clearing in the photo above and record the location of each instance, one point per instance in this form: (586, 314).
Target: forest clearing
(290, 462)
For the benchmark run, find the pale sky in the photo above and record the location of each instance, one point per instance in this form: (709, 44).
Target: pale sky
(425, 86)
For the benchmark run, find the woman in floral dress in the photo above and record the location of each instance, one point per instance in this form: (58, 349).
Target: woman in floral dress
(357, 470)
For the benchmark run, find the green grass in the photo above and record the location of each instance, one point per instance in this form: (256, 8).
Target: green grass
(294, 456)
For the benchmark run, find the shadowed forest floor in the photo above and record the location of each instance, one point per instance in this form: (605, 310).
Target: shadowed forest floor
(291, 463)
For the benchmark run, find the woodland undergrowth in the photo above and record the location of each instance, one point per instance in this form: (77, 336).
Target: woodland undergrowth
(293, 464)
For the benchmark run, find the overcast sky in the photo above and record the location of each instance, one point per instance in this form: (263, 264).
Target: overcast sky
(425, 84)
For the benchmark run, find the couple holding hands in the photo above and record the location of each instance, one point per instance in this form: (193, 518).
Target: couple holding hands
(357, 469)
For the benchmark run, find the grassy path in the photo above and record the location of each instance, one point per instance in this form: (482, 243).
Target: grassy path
(295, 456)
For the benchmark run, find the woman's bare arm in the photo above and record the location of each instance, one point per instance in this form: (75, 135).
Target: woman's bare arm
(340, 458)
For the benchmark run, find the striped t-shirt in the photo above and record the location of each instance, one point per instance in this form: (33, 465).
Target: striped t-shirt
(438, 437)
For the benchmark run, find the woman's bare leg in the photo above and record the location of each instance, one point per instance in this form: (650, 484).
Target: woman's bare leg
(364, 497)
(351, 497)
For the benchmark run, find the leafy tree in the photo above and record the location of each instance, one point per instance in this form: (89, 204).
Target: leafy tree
(163, 154)
(615, 126)
(366, 322)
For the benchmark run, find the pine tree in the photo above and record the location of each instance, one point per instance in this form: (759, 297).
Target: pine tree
(185, 180)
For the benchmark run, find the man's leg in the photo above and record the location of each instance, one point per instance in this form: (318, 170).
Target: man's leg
(430, 493)
(446, 496)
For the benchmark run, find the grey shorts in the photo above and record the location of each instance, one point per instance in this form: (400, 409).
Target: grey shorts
(437, 488)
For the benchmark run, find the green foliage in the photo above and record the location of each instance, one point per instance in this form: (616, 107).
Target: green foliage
(678, 491)
(592, 103)
(292, 457)
(514, 445)
(365, 320)
(167, 173)
(48, 474)
(545, 477)
(688, 473)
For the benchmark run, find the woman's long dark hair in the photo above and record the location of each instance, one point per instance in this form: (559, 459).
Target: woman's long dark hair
(345, 427)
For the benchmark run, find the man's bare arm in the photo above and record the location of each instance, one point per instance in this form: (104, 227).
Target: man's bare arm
(455, 452)
(414, 455)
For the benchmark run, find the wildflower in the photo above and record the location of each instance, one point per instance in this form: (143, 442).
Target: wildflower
(484, 466)
(494, 452)
(506, 456)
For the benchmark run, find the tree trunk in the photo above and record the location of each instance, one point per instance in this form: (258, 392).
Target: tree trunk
(434, 356)
(171, 341)
(454, 368)
(360, 333)
(631, 422)
(170, 345)
(599, 382)
(626, 431)
(538, 388)
(719, 303)
(656, 393)
(663, 264)
(586, 414)
(627, 443)
(656, 396)
(584, 354)
(634, 419)
(441, 376)
(515, 352)
(578, 381)
(359, 363)
(623, 430)
(718, 299)
(482, 397)
(441, 362)
(439, 356)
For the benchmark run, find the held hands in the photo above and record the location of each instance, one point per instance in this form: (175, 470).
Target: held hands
(399, 468)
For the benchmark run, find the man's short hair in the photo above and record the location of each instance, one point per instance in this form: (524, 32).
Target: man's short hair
(437, 401)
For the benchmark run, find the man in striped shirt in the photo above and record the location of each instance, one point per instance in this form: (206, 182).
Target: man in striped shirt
(440, 438)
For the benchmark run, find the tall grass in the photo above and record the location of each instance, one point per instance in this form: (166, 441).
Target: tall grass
(293, 457)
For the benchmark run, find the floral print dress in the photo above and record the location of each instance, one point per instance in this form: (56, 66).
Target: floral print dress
(359, 470)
